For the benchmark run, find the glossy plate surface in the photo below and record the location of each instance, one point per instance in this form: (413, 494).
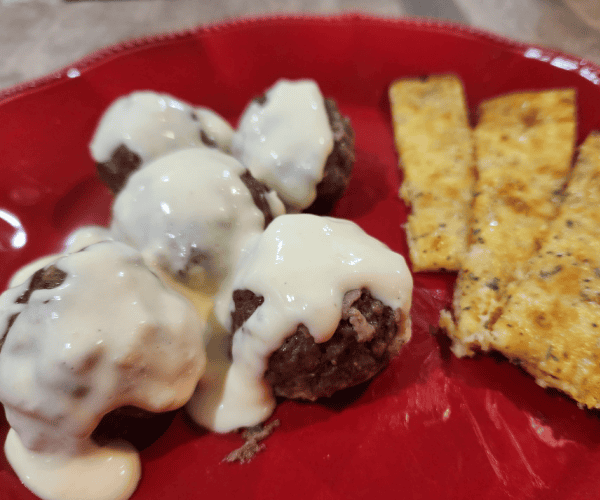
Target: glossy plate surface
(430, 426)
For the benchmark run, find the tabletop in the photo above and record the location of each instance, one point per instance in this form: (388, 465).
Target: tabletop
(40, 36)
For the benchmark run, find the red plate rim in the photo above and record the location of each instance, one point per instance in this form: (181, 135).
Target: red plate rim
(100, 56)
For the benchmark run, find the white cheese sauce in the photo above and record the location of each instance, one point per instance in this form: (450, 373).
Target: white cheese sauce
(285, 142)
(85, 236)
(109, 472)
(110, 335)
(190, 213)
(302, 265)
(78, 239)
(216, 128)
(152, 124)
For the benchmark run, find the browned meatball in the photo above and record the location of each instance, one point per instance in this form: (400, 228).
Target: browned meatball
(338, 168)
(339, 164)
(115, 172)
(366, 338)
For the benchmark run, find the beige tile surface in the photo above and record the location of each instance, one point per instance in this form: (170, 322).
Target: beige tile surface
(39, 36)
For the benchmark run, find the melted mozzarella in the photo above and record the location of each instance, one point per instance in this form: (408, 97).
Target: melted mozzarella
(110, 335)
(285, 142)
(189, 206)
(302, 265)
(152, 124)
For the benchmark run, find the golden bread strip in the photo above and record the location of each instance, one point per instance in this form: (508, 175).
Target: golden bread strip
(524, 146)
(551, 323)
(435, 146)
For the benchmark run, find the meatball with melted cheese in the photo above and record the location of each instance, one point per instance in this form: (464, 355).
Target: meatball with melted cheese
(144, 125)
(192, 213)
(318, 306)
(298, 143)
(88, 334)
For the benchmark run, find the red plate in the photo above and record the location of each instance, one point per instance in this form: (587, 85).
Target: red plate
(430, 426)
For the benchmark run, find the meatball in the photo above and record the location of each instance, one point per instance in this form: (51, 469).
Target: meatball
(43, 279)
(140, 127)
(369, 334)
(118, 168)
(297, 143)
(94, 333)
(192, 212)
(317, 305)
(339, 164)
